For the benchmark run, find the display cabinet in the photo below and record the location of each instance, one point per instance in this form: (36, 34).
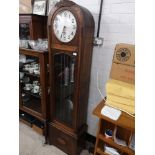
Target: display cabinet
(123, 129)
(34, 85)
(32, 26)
(70, 38)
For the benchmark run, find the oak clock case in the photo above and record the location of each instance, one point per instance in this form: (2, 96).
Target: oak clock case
(70, 37)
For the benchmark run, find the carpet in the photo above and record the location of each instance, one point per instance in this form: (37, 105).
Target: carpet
(32, 143)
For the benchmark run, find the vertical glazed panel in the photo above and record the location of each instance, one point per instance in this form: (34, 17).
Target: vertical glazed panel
(30, 82)
(24, 31)
(64, 73)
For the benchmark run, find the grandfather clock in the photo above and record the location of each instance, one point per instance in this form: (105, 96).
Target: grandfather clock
(70, 36)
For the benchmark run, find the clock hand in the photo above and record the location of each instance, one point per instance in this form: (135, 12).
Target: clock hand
(62, 28)
(62, 31)
(61, 23)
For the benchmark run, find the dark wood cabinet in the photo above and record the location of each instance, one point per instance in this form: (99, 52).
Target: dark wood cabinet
(32, 26)
(34, 102)
(33, 71)
(70, 55)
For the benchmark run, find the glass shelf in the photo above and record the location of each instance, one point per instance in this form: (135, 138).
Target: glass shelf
(32, 94)
(28, 61)
(30, 74)
(21, 64)
(33, 103)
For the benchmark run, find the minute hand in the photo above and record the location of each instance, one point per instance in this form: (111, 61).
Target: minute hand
(61, 26)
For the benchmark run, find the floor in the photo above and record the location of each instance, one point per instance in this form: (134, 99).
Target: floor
(31, 143)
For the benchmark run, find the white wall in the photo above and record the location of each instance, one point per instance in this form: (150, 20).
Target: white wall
(117, 25)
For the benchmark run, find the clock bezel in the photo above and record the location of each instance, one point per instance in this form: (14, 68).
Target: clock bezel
(54, 29)
(75, 40)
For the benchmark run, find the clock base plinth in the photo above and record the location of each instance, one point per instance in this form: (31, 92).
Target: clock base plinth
(70, 143)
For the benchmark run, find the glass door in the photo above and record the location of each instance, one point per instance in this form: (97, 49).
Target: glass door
(29, 74)
(64, 82)
(24, 31)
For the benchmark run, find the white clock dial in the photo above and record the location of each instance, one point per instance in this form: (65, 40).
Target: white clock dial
(65, 26)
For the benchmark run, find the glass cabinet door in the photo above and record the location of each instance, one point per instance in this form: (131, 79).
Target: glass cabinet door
(64, 81)
(29, 74)
(24, 31)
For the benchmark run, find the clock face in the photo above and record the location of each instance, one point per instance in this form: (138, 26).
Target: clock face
(65, 26)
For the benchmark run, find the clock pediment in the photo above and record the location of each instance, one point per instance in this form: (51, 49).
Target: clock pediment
(65, 3)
